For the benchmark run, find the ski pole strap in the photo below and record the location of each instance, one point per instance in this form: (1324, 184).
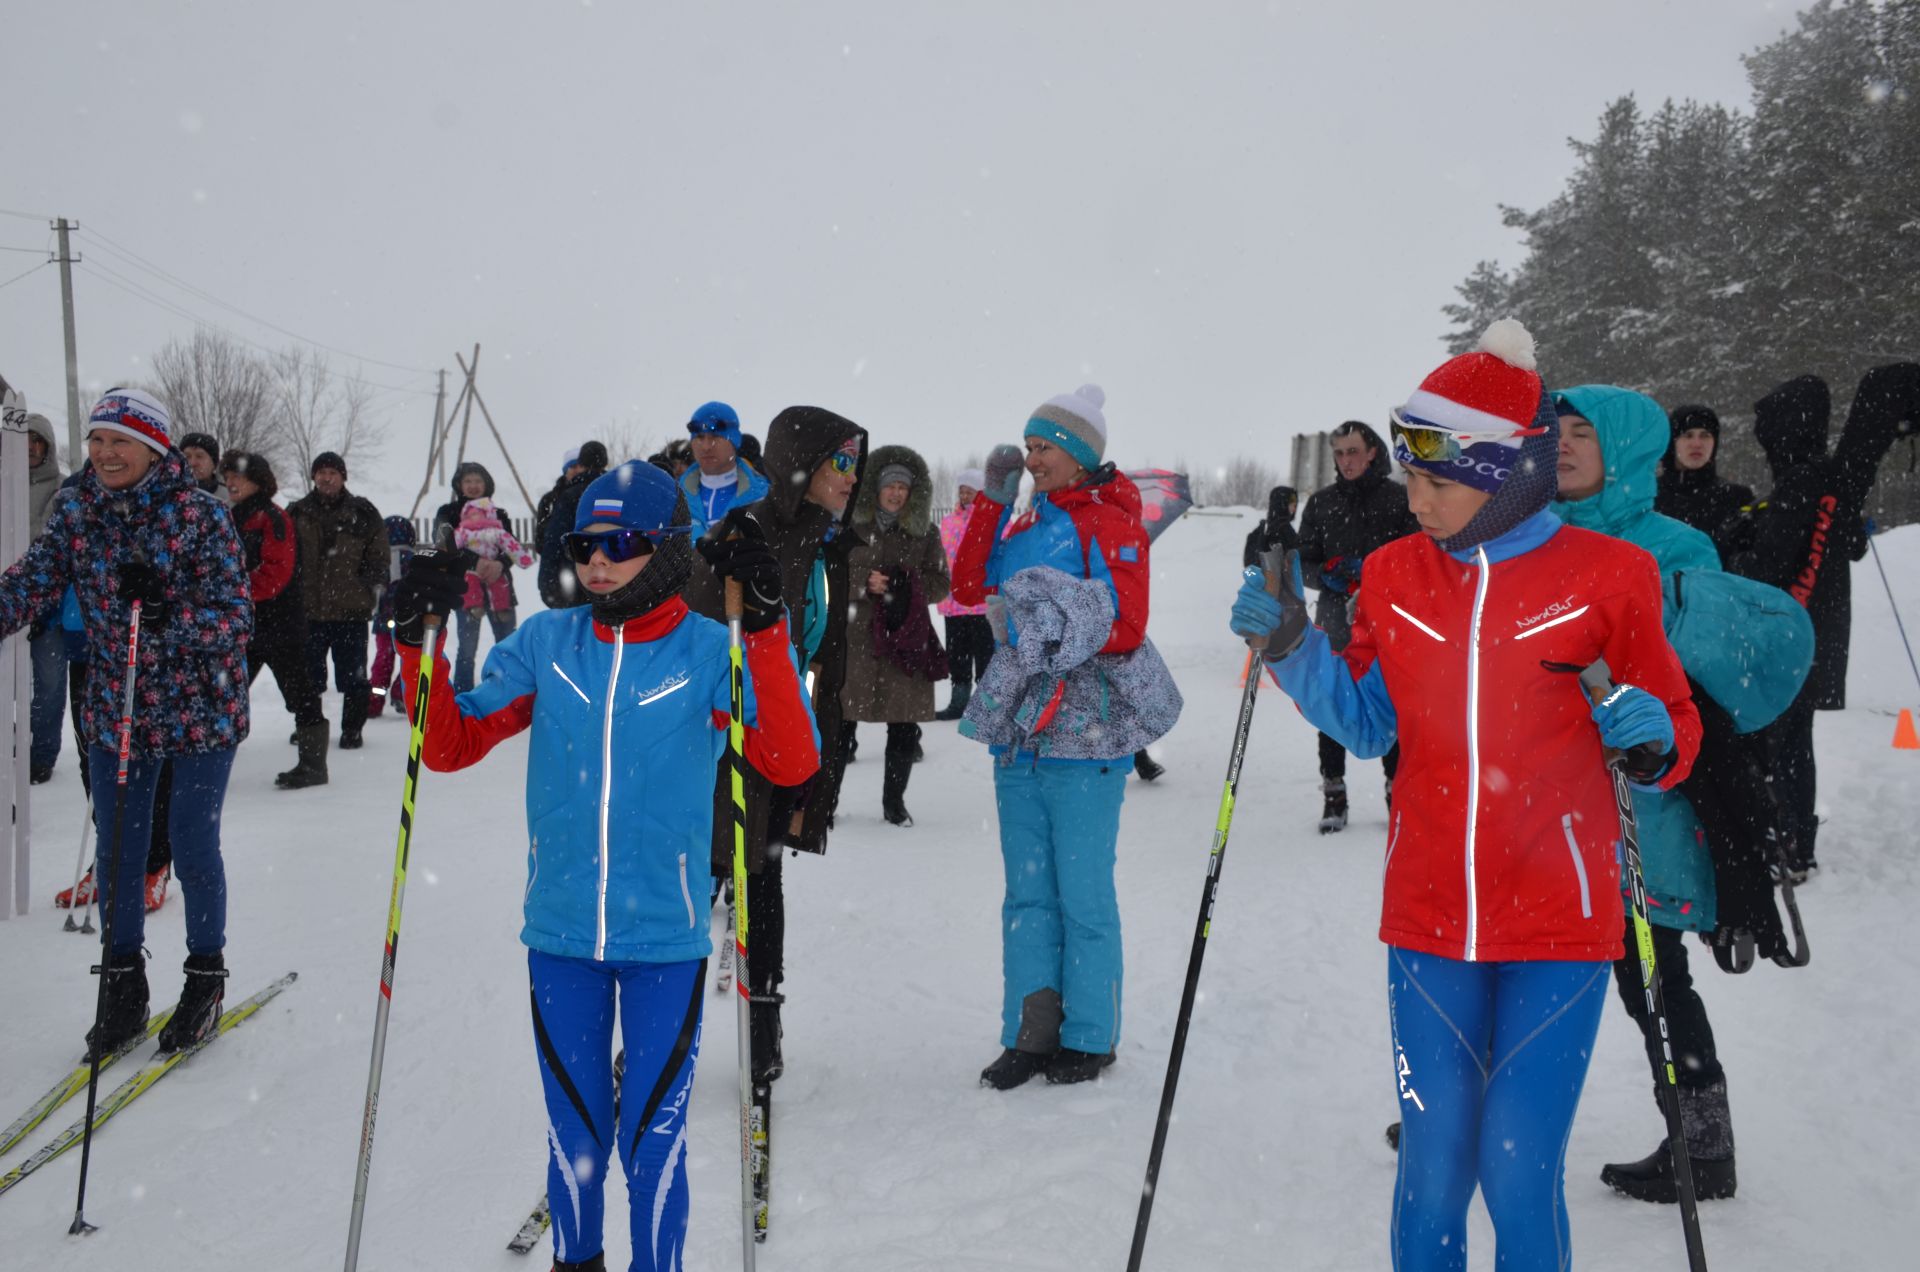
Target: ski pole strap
(1273, 566)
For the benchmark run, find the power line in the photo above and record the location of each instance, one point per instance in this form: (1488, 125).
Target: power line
(5, 248)
(23, 273)
(25, 216)
(130, 257)
(120, 282)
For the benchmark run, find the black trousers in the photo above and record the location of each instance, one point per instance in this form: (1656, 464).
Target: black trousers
(292, 672)
(1790, 747)
(347, 642)
(969, 647)
(1333, 760)
(1695, 1062)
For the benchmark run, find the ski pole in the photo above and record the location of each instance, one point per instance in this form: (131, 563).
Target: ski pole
(1656, 1004)
(1894, 606)
(79, 872)
(1276, 565)
(430, 635)
(80, 1226)
(751, 1222)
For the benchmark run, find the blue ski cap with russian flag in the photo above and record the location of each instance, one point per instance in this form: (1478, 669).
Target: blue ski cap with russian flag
(634, 496)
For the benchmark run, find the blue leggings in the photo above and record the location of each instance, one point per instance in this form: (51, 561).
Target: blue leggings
(1489, 1059)
(193, 824)
(574, 1001)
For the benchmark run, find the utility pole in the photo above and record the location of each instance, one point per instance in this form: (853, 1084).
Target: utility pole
(439, 425)
(74, 453)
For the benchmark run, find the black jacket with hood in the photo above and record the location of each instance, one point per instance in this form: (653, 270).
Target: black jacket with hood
(447, 518)
(1349, 519)
(553, 522)
(1701, 497)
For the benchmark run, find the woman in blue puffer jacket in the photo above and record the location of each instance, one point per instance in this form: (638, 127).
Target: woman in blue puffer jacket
(627, 701)
(138, 528)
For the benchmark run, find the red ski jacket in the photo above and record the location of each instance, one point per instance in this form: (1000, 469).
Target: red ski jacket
(1502, 843)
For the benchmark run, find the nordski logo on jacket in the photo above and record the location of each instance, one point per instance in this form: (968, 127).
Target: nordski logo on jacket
(672, 683)
(1554, 610)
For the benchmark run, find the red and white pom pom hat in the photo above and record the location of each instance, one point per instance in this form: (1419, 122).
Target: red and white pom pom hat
(138, 415)
(1491, 392)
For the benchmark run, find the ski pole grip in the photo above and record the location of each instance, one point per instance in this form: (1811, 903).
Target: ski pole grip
(736, 605)
(1273, 569)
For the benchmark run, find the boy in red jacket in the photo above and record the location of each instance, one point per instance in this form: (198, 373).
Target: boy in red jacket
(1502, 908)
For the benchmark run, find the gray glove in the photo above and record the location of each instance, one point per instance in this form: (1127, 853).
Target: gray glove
(1004, 466)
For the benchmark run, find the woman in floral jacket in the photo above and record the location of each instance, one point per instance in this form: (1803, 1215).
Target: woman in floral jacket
(139, 528)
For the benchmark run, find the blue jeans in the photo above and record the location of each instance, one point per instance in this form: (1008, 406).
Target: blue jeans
(1060, 921)
(659, 1005)
(193, 824)
(1489, 1060)
(49, 712)
(468, 628)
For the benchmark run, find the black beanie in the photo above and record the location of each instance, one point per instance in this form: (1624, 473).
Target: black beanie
(327, 459)
(1682, 418)
(202, 440)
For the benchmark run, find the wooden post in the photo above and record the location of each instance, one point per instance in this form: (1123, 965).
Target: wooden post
(460, 456)
(16, 665)
(488, 416)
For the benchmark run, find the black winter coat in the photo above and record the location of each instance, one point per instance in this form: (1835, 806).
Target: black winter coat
(559, 587)
(447, 519)
(1702, 498)
(1349, 519)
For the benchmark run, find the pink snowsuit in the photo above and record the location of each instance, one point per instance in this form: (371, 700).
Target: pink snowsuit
(482, 533)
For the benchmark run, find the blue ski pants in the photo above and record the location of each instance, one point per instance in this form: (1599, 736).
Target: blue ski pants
(1060, 921)
(659, 1005)
(1489, 1059)
(193, 825)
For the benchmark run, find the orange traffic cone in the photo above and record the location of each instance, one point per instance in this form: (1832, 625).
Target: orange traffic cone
(1905, 737)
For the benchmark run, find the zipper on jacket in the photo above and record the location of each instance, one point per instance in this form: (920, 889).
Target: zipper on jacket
(1579, 866)
(1393, 841)
(1473, 749)
(606, 787)
(685, 895)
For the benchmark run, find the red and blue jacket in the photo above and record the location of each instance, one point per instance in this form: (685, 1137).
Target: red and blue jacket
(628, 724)
(1503, 839)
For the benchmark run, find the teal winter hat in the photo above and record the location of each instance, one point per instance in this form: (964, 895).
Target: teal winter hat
(1073, 422)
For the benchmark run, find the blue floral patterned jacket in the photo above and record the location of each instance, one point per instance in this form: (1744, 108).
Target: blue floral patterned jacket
(191, 690)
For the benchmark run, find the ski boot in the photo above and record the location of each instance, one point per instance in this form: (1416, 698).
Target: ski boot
(764, 1037)
(1708, 1126)
(598, 1263)
(1147, 768)
(1333, 814)
(156, 890)
(893, 786)
(81, 894)
(123, 1011)
(200, 1002)
(1393, 1136)
(1014, 1068)
(1070, 1066)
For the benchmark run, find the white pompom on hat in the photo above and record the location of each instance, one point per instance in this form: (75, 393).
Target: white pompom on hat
(1075, 422)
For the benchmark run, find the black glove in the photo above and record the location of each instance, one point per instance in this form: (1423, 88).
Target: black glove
(141, 582)
(899, 599)
(739, 552)
(435, 582)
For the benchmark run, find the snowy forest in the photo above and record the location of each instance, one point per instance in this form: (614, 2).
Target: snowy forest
(1701, 253)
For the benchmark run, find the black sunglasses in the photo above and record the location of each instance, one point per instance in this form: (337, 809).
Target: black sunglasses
(619, 545)
(707, 427)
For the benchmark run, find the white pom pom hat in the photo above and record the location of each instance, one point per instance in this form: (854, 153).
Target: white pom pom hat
(1074, 422)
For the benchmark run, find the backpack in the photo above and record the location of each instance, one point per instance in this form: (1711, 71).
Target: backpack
(1749, 645)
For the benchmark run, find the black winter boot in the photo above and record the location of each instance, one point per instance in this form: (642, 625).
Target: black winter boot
(956, 705)
(764, 1036)
(899, 767)
(1333, 815)
(123, 1014)
(1013, 1068)
(200, 1001)
(1071, 1066)
(1144, 765)
(311, 768)
(1708, 1126)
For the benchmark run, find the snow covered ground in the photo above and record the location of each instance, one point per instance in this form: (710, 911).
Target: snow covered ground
(888, 1156)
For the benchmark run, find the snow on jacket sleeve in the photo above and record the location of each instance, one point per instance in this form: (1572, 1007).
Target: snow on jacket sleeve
(1637, 653)
(460, 731)
(1342, 696)
(781, 742)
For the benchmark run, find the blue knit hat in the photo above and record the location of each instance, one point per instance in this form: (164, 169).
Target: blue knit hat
(1075, 423)
(634, 496)
(716, 419)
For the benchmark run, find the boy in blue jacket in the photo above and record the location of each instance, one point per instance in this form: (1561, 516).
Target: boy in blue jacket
(628, 701)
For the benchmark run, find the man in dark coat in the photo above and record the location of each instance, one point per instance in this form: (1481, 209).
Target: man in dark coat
(558, 586)
(1691, 487)
(343, 570)
(814, 461)
(1276, 528)
(1363, 509)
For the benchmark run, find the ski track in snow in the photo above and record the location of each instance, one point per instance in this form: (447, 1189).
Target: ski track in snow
(887, 1153)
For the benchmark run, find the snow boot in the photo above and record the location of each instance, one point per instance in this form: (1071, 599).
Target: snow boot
(156, 890)
(893, 786)
(1333, 814)
(598, 1263)
(1013, 1068)
(350, 739)
(200, 1002)
(39, 774)
(123, 1014)
(1708, 1126)
(1144, 765)
(1393, 1136)
(311, 770)
(764, 1037)
(919, 753)
(81, 894)
(1071, 1066)
(956, 705)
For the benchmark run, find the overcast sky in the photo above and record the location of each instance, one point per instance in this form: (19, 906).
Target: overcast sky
(1240, 218)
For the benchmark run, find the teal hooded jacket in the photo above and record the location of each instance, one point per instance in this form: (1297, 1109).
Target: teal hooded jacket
(1634, 433)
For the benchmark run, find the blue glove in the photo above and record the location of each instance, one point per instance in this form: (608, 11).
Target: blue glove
(1636, 724)
(1280, 621)
(1005, 465)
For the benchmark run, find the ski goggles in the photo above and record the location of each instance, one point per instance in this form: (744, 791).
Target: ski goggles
(843, 462)
(1431, 444)
(618, 545)
(710, 428)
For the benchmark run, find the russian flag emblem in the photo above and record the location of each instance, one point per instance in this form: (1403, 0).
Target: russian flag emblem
(610, 507)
